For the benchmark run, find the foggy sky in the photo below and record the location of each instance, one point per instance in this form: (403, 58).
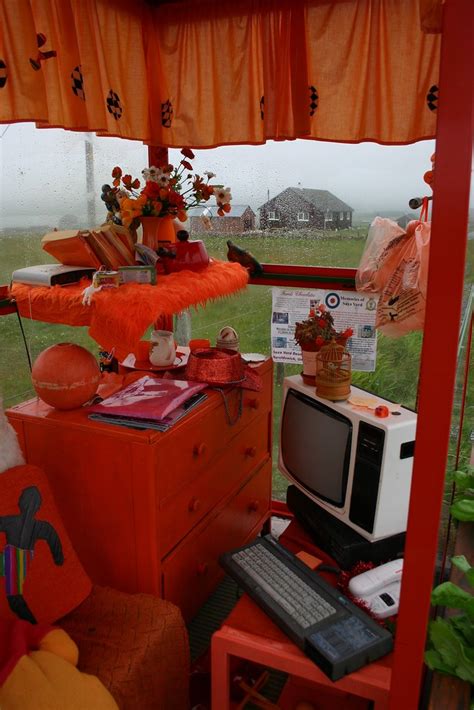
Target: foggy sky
(42, 174)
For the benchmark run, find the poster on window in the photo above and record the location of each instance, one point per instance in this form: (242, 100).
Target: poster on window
(349, 310)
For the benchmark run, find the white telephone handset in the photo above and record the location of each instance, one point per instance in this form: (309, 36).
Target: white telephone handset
(379, 588)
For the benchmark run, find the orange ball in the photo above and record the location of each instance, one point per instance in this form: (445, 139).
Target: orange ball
(65, 375)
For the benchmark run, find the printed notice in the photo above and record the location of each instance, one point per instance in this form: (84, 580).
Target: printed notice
(349, 310)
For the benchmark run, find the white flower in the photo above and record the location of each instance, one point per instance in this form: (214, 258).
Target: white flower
(162, 179)
(209, 174)
(152, 174)
(222, 195)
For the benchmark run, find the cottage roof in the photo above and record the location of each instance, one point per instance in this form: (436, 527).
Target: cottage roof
(323, 200)
(211, 211)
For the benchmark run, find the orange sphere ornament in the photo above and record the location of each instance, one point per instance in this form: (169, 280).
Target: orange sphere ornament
(65, 375)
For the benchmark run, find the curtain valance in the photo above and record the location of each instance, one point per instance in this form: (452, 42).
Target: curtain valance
(215, 73)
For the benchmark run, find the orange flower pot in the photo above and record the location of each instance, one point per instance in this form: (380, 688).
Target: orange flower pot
(158, 231)
(65, 375)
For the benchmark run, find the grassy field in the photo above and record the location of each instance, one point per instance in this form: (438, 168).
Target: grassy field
(396, 375)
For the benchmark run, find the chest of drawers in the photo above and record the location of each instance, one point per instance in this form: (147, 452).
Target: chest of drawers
(149, 511)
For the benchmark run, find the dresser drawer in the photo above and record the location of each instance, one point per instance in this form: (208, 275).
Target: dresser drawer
(197, 442)
(180, 513)
(191, 572)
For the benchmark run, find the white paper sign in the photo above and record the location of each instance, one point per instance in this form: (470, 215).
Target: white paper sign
(349, 310)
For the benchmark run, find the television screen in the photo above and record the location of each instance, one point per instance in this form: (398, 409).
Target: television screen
(315, 446)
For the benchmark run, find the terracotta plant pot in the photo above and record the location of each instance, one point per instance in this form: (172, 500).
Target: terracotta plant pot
(65, 375)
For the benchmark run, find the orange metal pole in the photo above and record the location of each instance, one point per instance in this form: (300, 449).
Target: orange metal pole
(438, 364)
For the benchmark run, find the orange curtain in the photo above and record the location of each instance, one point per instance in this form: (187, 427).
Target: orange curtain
(89, 73)
(220, 72)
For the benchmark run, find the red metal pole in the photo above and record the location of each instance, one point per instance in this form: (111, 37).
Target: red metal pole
(440, 344)
(158, 156)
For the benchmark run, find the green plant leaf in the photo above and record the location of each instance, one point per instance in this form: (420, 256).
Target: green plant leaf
(434, 661)
(461, 563)
(449, 594)
(463, 510)
(462, 479)
(452, 650)
(464, 626)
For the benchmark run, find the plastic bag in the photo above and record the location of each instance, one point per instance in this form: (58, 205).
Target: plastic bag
(383, 243)
(401, 306)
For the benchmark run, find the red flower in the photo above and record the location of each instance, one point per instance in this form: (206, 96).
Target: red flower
(320, 341)
(152, 190)
(226, 207)
(186, 165)
(176, 199)
(117, 172)
(188, 153)
(136, 184)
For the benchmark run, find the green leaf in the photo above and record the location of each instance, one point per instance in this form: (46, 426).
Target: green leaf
(449, 594)
(452, 650)
(464, 626)
(462, 479)
(461, 563)
(434, 661)
(463, 510)
(445, 641)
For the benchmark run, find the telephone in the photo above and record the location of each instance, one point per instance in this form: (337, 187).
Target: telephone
(379, 588)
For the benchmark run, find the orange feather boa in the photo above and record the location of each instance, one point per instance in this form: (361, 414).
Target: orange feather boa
(118, 318)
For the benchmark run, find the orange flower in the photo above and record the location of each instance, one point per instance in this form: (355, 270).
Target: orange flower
(117, 172)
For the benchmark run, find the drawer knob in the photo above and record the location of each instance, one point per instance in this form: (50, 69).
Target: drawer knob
(202, 568)
(199, 449)
(194, 504)
(251, 451)
(253, 403)
(254, 505)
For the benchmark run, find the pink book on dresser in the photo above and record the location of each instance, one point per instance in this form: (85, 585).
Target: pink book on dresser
(148, 398)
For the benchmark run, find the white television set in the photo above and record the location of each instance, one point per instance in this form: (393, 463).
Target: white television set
(350, 462)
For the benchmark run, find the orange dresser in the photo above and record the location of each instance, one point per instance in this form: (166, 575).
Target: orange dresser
(150, 511)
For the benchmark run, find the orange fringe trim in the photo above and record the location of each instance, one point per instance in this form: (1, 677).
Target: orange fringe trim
(118, 318)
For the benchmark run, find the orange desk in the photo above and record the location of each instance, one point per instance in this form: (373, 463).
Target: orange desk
(248, 633)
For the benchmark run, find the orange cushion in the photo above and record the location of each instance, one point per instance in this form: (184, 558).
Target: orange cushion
(41, 578)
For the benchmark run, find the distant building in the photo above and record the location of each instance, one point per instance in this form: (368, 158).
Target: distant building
(404, 219)
(240, 219)
(299, 208)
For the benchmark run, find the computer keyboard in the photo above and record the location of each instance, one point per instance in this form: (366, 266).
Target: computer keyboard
(337, 635)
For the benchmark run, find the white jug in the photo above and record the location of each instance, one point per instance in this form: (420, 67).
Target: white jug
(163, 348)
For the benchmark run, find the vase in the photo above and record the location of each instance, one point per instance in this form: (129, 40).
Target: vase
(309, 366)
(158, 231)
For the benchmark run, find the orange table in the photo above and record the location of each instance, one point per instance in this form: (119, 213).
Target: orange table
(248, 633)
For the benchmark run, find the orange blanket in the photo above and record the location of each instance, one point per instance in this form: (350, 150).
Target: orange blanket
(118, 318)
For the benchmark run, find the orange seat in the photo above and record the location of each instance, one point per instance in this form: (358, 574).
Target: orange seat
(136, 644)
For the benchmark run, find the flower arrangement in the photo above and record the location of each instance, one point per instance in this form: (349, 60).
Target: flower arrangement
(168, 191)
(318, 330)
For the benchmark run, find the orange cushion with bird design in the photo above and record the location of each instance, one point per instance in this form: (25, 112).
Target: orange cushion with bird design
(41, 578)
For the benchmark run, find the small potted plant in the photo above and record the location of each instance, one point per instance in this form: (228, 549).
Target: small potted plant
(314, 332)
